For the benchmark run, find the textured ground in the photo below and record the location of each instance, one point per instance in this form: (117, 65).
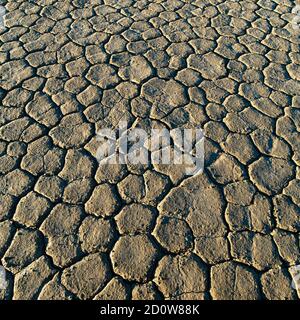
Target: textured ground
(71, 229)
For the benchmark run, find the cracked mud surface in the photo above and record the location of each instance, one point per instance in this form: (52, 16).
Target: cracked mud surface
(70, 229)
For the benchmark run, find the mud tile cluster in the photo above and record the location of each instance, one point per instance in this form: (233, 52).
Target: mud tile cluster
(70, 228)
